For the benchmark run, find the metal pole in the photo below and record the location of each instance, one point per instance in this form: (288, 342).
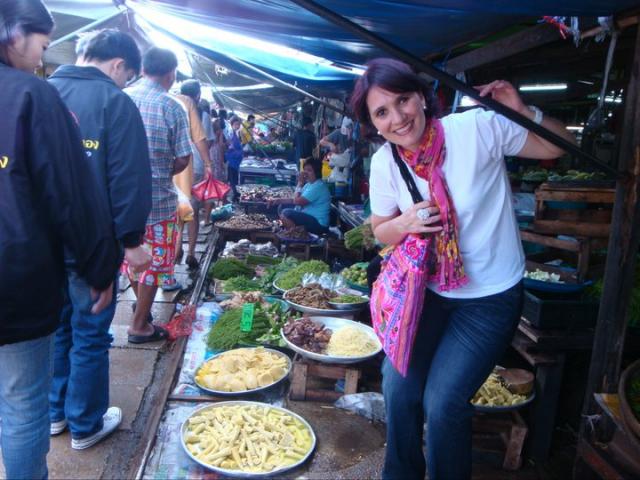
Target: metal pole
(86, 28)
(451, 81)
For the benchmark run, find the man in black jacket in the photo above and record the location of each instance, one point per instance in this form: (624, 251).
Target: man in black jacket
(116, 150)
(48, 202)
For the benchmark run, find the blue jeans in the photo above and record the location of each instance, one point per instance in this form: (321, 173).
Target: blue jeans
(80, 387)
(24, 407)
(458, 343)
(305, 220)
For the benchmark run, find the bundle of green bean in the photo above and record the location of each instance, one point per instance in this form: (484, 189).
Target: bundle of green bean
(360, 237)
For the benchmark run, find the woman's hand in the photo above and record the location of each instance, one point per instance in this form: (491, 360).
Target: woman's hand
(415, 222)
(503, 92)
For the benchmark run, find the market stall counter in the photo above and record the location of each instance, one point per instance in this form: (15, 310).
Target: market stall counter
(272, 171)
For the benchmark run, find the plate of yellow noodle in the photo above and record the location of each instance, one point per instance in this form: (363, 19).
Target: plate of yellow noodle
(247, 439)
(242, 371)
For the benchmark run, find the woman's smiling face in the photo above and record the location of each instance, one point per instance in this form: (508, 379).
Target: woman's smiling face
(399, 117)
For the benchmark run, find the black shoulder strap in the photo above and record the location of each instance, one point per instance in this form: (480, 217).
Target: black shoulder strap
(408, 178)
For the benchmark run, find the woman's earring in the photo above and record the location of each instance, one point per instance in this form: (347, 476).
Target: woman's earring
(378, 132)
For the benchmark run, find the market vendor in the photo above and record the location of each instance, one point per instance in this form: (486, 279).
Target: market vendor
(340, 139)
(312, 201)
(233, 155)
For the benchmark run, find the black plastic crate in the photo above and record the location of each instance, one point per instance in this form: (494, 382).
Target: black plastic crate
(553, 310)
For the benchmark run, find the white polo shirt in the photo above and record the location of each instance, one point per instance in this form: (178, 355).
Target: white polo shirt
(474, 169)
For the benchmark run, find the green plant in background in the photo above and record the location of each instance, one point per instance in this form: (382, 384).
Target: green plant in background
(595, 292)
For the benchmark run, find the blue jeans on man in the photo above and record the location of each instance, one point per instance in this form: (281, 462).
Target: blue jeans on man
(458, 343)
(80, 386)
(24, 407)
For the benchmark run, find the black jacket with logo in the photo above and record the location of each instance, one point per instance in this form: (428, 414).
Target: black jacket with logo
(48, 202)
(115, 143)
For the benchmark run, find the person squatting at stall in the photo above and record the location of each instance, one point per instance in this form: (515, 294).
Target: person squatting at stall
(312, 201)
(233, 155)
(468, 322)
(168, 139)
(116, 150)
(49, 203)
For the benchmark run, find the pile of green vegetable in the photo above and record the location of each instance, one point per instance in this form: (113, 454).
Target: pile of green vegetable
(360, 237)
(292, 278)
(535, 175)
(348, 299)
(266, 281)
(576, 176)
(255, 260)
(240, 284)
(268, 319)
(356, 274)
(226, 333)
(227, 268)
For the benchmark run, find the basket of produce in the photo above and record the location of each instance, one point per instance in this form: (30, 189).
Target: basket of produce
(504, 390)
(314, 299)
(360, 237)
(237, 284)
(247, 439)
(348, 302)
(292, 277)
(271, 272)
(242, 371)
(331, 339)
(251, 222)
(356, 276)
(243, 249)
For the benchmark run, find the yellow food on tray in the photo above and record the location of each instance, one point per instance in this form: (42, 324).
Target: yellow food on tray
(247, 438)
(351, 342)
(493, 393)
(242, 369)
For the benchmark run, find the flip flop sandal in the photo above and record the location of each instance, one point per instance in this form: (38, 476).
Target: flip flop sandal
(158, 334)
(133, 309)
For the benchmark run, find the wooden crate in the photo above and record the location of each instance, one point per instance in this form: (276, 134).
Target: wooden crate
(305, 370)
(592, 221)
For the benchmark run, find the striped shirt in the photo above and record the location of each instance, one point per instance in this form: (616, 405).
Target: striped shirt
(168, 136)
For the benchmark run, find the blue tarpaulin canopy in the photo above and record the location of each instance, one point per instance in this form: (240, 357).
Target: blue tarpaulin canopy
(305, 49)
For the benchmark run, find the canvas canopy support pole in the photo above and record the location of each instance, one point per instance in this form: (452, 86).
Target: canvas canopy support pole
(86, 28)
(423, 66)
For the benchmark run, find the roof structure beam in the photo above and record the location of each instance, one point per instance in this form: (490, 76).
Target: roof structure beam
(86, 28)
(451, 81)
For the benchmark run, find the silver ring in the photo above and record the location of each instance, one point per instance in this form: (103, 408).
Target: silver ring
(423, 214)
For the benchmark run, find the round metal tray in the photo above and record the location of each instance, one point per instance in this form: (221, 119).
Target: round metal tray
(221, 393)
(350, 306)
(334, 324)
(506, 408)
(240, 473)
(319, 311)
(243, 230)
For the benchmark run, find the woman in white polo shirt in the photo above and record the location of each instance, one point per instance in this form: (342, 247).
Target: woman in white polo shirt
(468, 322)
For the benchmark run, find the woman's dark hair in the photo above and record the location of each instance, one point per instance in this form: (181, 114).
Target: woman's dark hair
(108, 44)
(22, 17)
(157, 62)
(394, 76)
(214, 113)
(316, 165)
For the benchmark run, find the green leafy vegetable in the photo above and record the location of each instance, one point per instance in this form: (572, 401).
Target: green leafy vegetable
(226, 268)
(293, 277)
(240, 284)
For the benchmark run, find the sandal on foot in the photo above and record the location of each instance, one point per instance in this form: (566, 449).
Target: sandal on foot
(158, 334)
(191, 262)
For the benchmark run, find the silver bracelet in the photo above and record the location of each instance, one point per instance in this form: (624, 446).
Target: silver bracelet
(538, 114)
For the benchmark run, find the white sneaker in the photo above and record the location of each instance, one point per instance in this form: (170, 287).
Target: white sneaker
(58, 427)
(111, 420)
